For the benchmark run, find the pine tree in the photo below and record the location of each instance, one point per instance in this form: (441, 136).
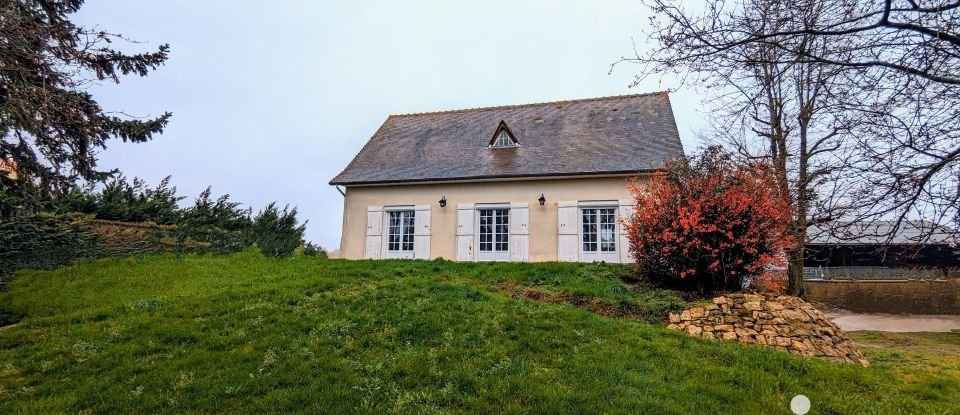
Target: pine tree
(51, 128)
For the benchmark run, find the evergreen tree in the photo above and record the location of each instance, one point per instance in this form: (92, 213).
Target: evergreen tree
(276, 232)
(51, 128)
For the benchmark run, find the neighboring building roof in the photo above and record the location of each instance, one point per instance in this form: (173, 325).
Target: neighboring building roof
(621, 134)
(8, 168)
(911, 232)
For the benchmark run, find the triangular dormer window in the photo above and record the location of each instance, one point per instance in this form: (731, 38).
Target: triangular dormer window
(503, 137)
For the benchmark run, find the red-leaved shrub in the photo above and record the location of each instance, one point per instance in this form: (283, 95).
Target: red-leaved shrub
(708, 224)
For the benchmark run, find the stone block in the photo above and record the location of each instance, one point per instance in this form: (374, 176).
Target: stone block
(795, 315)
(801, 332)
(744, 332)
(753, 298)
(772, 306)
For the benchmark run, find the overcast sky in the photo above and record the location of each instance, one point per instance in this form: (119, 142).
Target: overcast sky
(270, 101)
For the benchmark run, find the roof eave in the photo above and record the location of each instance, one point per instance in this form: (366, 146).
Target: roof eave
(336, 182)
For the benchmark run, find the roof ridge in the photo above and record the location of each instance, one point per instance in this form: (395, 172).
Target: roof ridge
(531, 104)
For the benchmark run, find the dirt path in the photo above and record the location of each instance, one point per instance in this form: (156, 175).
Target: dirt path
(898, 323)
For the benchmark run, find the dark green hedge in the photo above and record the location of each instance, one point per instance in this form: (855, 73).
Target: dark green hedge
(44, 242)
(50, 241)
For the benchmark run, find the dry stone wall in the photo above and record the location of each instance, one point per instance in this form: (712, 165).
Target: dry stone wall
(782, 322)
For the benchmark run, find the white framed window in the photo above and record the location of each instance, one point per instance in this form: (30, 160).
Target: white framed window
(493, 233)
(503, 137)
(400, 223)
(598, 233)
(503, 140)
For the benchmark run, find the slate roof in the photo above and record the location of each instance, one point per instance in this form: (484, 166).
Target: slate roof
(620, 134)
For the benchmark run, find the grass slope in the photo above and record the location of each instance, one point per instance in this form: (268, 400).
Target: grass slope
(247, 334)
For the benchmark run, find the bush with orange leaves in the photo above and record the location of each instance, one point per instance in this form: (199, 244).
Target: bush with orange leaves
(708, 224)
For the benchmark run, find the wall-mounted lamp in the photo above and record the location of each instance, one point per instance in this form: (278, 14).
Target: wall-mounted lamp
(443, 201)
(542, 199)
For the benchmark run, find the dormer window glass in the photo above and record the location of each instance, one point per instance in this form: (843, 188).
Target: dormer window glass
(503, 140)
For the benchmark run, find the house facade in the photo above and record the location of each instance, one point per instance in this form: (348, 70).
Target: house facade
(532, 182)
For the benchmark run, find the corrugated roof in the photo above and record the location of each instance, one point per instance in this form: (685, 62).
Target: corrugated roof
(911, 232)
(620, 134)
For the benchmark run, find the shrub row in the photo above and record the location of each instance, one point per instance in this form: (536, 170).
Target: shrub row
(47, 241)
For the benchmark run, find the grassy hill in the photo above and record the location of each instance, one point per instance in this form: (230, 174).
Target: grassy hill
(247, 334)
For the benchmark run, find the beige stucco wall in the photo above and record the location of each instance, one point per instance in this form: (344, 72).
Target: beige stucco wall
(543, 219)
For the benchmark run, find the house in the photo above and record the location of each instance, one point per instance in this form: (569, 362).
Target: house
(8, 169)
(531, 182)
(916, 249)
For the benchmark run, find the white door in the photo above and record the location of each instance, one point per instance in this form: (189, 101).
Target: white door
(598, 234)
(493, 234)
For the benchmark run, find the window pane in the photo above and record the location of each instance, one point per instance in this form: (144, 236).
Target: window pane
(393, 232)
(607, 239)
(588, 218)
(400, 230)
(607, 234)
(486, 234)
(494, 230)
(598, 229)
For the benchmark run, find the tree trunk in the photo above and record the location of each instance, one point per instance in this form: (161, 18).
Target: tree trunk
(795, 273)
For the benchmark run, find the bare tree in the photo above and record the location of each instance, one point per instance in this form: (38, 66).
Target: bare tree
(854, 113)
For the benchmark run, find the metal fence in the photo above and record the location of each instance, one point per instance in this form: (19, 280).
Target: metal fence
(870, 273)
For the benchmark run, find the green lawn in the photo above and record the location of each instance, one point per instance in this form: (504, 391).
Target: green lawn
(246, 334)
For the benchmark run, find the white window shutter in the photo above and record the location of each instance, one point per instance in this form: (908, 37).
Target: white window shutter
(374, 240)
(519, 232)
(465, 232)
(421, 232)
(625, 214)
(567, 233)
